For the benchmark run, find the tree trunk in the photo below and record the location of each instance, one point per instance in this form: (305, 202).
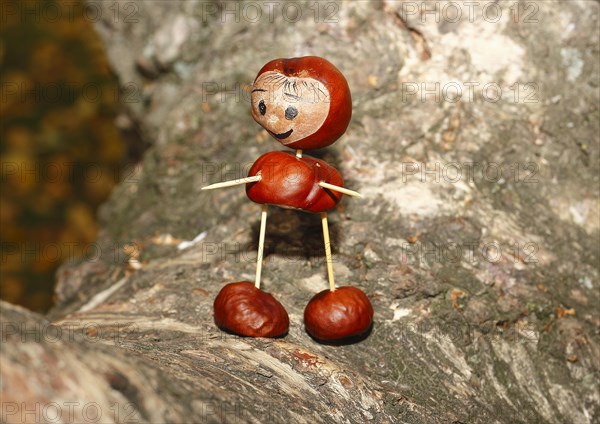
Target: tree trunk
(474, 140)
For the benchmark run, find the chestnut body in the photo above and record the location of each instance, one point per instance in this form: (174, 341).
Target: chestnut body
(243, 309)
(292, 182)
(340, 314)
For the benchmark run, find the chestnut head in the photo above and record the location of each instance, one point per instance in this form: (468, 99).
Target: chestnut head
(303, 102)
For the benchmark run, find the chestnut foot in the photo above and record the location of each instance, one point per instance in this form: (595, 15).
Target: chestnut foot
(242, 309)
(334, 316)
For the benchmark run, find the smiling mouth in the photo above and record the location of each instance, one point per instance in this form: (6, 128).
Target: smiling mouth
(282, 136)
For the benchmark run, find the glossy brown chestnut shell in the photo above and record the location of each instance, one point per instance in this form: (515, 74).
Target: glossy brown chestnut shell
(292, 182)
(242, 309)
(340, 107)
(337, 315)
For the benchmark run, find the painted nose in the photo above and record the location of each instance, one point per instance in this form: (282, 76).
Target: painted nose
(273, 119)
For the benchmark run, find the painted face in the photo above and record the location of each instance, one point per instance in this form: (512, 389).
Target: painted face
(289, 108)
(304, 102)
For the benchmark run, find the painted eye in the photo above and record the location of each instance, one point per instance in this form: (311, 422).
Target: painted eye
(262, 108)
(290, 113)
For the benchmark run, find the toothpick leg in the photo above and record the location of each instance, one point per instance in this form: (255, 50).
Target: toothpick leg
(328, 251)
(261, 245)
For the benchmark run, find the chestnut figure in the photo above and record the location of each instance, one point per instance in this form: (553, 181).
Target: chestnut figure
(243, 309)
(303, 102)
(337, 315)
(292, 182)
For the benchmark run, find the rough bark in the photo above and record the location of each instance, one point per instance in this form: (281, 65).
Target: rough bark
(485, 289)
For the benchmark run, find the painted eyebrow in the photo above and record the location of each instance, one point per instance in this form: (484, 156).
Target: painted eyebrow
(258, 89)
(292, 96)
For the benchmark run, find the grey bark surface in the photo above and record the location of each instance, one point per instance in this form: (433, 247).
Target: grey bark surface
(485, 288)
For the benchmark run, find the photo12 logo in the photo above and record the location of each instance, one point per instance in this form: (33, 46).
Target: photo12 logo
(526, 12)
(68, 92)
(71, 172)
(470, 91)
(68, 412)
(470, 252)
(246, 253)
(469, 172)
(58, 252)
(223, 92)
(268, 11)
(68, 331)
(34, 11)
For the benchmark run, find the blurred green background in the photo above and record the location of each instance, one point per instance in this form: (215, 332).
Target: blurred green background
(61, 153)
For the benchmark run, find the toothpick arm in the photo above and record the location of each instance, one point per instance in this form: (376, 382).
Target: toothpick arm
(340, 189)
(231, 183)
